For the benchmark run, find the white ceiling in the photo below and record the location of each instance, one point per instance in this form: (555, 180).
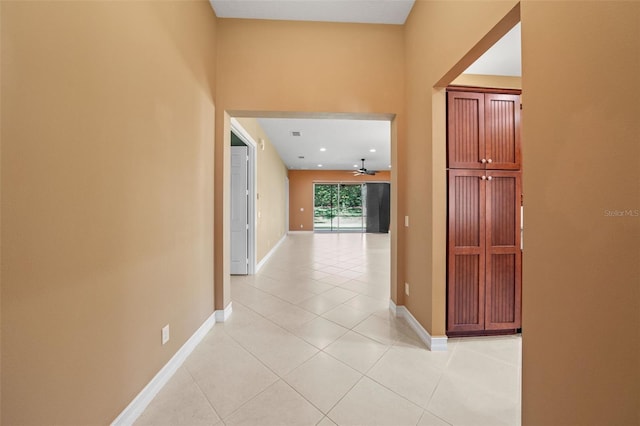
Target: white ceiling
(347, 141)
(361, 11)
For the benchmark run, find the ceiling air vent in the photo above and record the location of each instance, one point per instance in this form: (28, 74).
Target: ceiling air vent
(295, 133)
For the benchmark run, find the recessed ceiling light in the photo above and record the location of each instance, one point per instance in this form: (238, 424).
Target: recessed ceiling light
(355, 165)
(319, 165)
(323, 149)
(389, 165)
(372, 150)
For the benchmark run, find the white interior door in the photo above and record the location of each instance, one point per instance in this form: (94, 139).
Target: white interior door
(286, 203)
(239, 215)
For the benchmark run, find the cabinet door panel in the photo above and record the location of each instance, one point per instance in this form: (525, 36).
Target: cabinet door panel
(503, 255)
(504, 204)
(502, 131)
(466, 132)
(503, 301)
(467, 295)
(466, 305)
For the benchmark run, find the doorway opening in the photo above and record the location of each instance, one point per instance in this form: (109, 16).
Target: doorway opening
(484, 76)
(265, 215)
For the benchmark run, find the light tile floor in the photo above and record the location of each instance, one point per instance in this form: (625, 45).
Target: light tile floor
(311, 342)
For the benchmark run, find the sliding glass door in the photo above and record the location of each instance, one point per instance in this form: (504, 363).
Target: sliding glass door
(351, 211)
(339, 207)
(325, 207)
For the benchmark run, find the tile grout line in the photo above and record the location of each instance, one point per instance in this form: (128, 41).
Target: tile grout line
(487, 357)
(388, 347)
(304, 397)
(343, 397)
(434, 415)
(260, 360)
(280, 378)
(283, 377)
(252, 398)
(462, 340)
(203, 393)
(393, 391)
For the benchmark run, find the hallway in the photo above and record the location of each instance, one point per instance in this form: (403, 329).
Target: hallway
(311, 341)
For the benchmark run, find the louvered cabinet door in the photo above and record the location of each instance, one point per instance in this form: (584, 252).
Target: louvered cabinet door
(502, 131)
(466, 253)
(466, 133)
(503, 287)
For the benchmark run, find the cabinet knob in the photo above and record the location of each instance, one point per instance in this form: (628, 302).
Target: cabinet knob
(483, 178)
(489, 161)
(483, 161)
(489, 178)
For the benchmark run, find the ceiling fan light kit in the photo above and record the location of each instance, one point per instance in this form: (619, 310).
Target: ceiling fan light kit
(363, 171)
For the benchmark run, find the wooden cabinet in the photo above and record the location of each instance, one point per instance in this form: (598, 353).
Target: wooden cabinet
(484, 254)
(484, 250)
(483, 130)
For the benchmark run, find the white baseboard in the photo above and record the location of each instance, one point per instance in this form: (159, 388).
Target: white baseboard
(300, 232)
(433, 343)
(130, 414)
(271, 252)
(224, 314)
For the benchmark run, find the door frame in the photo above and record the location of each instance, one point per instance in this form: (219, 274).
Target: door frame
(221, 280)
(252, 184)
(349, 182)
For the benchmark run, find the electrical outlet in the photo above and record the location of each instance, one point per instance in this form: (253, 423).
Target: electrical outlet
(406, 288)
(406, 221)
(165, 334)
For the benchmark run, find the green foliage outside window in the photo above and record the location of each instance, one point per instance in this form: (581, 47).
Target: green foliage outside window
(328, 206)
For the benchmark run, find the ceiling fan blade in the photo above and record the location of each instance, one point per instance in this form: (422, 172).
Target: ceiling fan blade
(362, 170)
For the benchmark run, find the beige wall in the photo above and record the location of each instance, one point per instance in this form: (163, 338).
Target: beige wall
(581, 267)
(310, 66)
(301, 192)
(493, 81)
(581, 283)
(107, 205)
(314, 68)
(271, 191)
(1, 119)
(438, 35)
(106, 191)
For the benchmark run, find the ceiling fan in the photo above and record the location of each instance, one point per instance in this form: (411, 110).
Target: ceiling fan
(363, 171)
